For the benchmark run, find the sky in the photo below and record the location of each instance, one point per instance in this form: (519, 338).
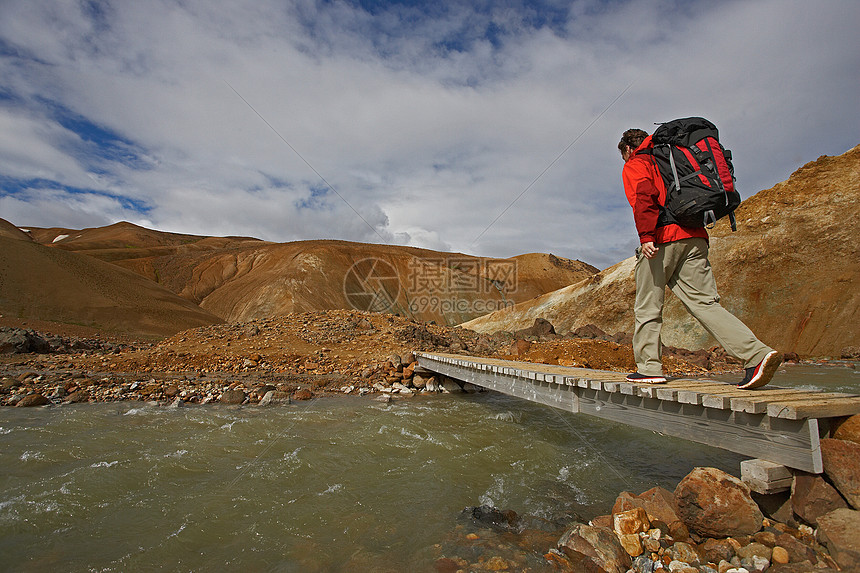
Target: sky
(488, 128)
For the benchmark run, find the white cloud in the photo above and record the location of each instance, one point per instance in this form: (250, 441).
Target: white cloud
(426, 125)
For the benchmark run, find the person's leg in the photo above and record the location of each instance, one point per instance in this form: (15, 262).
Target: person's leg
(650, 278)
(693, 283)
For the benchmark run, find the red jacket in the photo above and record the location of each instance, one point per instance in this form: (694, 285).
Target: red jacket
(646, 193)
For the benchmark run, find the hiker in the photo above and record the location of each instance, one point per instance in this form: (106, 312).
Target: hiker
(677, 256)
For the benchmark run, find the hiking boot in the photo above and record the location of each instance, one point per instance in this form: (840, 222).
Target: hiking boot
(645, 379)
(760, 375)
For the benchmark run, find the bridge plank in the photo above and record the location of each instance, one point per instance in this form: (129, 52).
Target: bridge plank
(773, 423)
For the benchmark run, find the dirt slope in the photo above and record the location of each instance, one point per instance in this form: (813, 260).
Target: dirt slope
(10, 231)
(791, 271)
(41, 283)
(240, 279)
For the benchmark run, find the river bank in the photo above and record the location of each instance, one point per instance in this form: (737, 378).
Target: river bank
(294, 357)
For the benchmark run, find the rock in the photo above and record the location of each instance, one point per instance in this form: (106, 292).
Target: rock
(812, 497)
(302, 394)
(837, 531)
(395, 360)
(589, 331)
(519, 347)
(685, 552)
(754, 549)
(450, 387)
(8, 384)
(643, 564)
(234, 396)
(842, 465)
(489, 517)
(716, 550)
(849, 430)
(77, 397)
(32, 400)
(631, 521)
(631, 543)
(267, 398)
(659, 503)
(796, 549)
(541, 327)
(598, 544)
(419, 382)
(713, 503)
(779, 555)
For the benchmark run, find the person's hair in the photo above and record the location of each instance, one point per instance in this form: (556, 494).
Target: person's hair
(632, 138)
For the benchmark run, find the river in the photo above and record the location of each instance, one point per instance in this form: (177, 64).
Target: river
(335, 484)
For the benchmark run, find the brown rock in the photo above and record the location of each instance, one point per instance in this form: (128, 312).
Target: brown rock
(588, 331)
(779, 555)
(716, 550)
(659, 503)
(302, 394)
(838, 531)
(77, 397)
(631, 521)
(849, 430)
(631, 543)
(234, 396)
(598, 544)
(519, 347)
(797, 550)
(812, 497)
(171, 391)
(32, 400)
(713, 503)
(842, 465)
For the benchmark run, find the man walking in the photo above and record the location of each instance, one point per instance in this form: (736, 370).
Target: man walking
(676, 256)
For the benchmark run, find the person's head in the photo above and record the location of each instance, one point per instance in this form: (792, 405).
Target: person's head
(630, 140)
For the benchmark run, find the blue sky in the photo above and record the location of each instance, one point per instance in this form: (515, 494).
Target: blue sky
(401, 122)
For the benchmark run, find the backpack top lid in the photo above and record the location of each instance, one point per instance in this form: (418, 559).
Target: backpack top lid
(684, 132)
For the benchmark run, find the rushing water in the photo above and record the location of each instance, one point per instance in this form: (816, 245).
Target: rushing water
(339, 484)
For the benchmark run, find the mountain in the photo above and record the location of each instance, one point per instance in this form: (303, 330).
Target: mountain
(791, 272)
(241, 278)
(45, 284)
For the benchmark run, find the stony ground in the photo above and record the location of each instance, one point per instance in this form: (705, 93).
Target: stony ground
(296, 356)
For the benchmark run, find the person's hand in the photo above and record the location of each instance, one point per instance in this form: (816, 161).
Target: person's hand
(649, 250)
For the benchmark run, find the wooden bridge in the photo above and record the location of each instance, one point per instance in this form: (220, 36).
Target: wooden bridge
(781, 426)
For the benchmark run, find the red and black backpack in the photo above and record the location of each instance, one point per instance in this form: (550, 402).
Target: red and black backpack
(697, 171)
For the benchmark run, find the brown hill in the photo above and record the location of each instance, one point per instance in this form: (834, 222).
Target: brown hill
(791, 272)
(240, 279)
(45, 284)
(10, 231)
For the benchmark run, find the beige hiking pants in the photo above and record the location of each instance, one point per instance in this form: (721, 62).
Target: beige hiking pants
(683, 266)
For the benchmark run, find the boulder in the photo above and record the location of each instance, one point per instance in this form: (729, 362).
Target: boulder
(541, 327)
(234, 396)
(812, 497)
(837, 531)
(713, 503)
(489, 517)
(598, 544)
(589, 331)
(631, 521)
(849, 430)
(842, 465)
(659, 503)
(519, 347)
(32, 400)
